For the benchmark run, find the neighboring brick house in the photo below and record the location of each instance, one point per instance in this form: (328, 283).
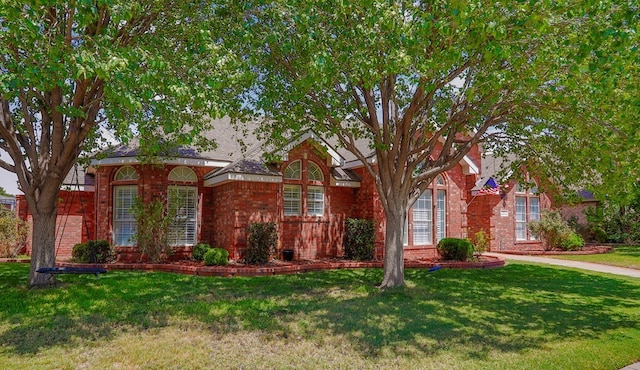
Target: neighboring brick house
(309, 193)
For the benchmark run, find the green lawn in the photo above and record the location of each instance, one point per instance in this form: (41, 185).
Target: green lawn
(521, 316)
(620, 256)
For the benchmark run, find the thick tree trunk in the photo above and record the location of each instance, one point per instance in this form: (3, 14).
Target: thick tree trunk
(394, 249)
(43, 247)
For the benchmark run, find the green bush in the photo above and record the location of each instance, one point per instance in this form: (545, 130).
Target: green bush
(93, 251)
(199, 251)
(455, 249)
(262, 240)
(154, 220)
(216, 257)
(555, 232)
(359, 239)
(13, 233)
(572, 242)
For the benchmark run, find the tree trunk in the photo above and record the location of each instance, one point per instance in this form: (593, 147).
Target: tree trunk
(43, 247)
(394, 249)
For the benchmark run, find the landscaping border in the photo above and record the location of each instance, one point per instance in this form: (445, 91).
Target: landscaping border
(285, 268)
(592, 249)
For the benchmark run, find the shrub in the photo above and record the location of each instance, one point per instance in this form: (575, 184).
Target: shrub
(572, 242)
(93, 251)
(199, 251)
(555, 232)
(216, 257)
(482, 241)
(455, 249)
(262, 240)
(359, 239)
(154, 222)
(13, 233)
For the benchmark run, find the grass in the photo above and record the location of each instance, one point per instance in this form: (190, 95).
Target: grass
(521, 316)
(623, 256)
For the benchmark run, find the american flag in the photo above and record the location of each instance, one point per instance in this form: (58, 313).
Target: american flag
(490, 187)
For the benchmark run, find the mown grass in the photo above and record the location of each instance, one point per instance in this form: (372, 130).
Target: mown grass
(520, 316)
(623, 256)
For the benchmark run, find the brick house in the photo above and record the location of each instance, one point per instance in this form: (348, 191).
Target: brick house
(309, 193)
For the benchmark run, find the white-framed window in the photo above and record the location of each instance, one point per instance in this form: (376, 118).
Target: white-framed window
(292, 200)
(423, 219)
(183, 174)
(124, 222)
(183, 200)
(527, 210)
(315, 201)
(428, 215)
(126, 173)
(293, 170)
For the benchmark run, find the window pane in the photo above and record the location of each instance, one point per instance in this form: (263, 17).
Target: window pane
(184, 174)
(423, 219)
(534, 212)
(124, 223)
(183, 200)
(126, 173)
(292, 200)
(315, 201)
(293, 171)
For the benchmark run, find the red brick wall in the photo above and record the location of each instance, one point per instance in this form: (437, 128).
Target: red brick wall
(75, 222)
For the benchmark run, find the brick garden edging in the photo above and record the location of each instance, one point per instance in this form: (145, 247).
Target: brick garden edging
(292, 268)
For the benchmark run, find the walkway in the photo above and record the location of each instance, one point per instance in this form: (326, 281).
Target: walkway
(579, 265)
(575, 264)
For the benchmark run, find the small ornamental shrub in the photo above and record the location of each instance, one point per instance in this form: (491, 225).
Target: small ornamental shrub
(154, 220)
(199, 251)
(359, 239)
(454, 249)
(13, 233)
(555, 232)
(216, 257)
(262, 240)
(572, 242)
(93, 251)
(482, 242)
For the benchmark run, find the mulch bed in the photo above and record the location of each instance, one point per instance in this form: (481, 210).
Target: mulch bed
(588, 249)
(278, 267)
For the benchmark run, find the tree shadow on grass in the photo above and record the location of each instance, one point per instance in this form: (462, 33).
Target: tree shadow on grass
(508, 309)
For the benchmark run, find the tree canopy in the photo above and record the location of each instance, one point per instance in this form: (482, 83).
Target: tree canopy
(424, 82)
(70, 70)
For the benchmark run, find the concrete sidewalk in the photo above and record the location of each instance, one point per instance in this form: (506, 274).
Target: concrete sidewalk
(567, 263)
(579, 265)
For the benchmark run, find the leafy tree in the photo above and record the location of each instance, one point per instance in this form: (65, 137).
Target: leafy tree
(4, 192)
(71, 70)
(424, 82)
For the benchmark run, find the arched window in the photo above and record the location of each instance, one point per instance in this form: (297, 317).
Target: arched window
(314, 172)
(295, 186)
(183, 203)
(126, 173)
(125, 191)
(293, 171)
(183, 174)
(527, 210)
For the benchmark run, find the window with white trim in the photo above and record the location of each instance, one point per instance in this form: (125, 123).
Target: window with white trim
(428, 216)
(303, 194)
(292, 200)
(124, 222)
(527, 210)
(125, 191)
(183, 202)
